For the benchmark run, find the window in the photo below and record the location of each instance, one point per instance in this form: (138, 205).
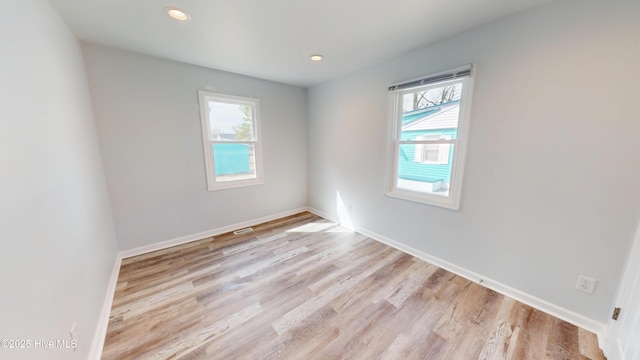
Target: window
(231, 138)
(429, 126)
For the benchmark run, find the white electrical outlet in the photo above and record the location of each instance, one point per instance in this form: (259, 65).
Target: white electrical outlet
(586, 284)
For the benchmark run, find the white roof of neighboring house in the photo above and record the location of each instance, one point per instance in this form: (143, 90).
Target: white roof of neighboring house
(446, 118)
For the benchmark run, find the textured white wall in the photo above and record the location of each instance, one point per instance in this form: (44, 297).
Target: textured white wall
(148, 123)
(551, 188)
(57, 236)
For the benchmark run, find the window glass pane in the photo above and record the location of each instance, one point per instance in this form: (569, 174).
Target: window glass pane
(430, 110)
(431, 153)
(234, 161)
(231, 122)
(425, 177)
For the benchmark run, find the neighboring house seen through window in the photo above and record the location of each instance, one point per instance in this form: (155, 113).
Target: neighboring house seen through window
(232, 148)
(432, 153)
(430, 122)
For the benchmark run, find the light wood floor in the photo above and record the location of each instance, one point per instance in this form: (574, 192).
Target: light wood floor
(304, 288)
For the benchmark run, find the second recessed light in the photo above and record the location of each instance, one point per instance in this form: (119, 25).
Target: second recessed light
(316, 57)
(177, 14)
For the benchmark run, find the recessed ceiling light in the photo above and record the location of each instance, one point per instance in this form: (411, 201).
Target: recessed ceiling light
(317, 57)
(177, 14)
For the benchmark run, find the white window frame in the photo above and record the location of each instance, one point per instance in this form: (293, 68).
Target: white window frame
(396, 94)
(212, 183)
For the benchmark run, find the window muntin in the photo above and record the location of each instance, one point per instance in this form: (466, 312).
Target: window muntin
(429, 128)
(230, 128)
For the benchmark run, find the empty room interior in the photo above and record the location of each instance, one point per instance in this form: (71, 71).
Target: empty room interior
(320, 180)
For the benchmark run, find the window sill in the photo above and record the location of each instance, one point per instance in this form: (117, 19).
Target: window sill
(446, 202)
(233, 184)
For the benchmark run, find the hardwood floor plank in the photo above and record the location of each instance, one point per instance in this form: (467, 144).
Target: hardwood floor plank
(302, 287)
(434, 347)
(498, 343)
(309, 337)
(199, 338)
(588, 345)
(414, 278)
(398, 349)
(300, 314)
(563, 342)
(534, 329)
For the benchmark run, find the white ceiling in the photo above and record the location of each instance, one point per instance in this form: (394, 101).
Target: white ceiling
(273, 39)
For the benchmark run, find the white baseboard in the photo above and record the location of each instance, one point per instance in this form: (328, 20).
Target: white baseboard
(103, 322)
(528, 299)
(205, 234)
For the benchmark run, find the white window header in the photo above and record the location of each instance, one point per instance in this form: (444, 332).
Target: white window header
(457, 73)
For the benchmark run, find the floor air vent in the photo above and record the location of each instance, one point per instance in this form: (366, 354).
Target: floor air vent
(243, 231)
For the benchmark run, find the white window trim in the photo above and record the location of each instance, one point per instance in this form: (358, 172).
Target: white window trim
(212, 183)
(452, 201)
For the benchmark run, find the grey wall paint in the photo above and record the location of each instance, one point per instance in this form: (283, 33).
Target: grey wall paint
(57, 235)
(149, 128)
(551, 188)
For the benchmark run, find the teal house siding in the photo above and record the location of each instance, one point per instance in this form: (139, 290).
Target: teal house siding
(408, 169)
(231, 159)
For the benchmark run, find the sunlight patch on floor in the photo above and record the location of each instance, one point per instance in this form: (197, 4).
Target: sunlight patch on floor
(312, 227)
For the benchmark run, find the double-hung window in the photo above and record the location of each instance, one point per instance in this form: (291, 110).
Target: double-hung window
(231, 138)
(429, 129)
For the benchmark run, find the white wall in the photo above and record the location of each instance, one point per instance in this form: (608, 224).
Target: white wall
(57, 236)
(149, 128)
(551, 188)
